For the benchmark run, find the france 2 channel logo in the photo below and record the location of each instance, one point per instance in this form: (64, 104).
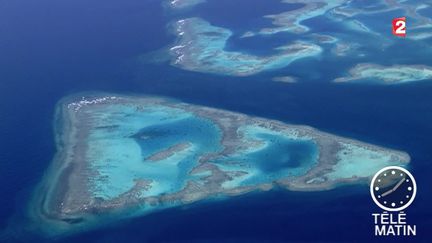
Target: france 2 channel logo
(399, 26)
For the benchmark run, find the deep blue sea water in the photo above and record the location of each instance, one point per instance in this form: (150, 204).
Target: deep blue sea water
(51, 48)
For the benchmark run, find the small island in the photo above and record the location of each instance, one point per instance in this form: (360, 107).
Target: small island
(125, 156)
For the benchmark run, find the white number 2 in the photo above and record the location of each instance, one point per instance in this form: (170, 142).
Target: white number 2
(400, 24)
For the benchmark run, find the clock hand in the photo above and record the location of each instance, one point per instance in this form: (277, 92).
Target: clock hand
(399, 184)
(394, 188)
(386, 193)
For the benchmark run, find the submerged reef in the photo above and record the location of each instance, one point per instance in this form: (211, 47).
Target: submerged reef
(285, 79)
(420, 25)
(200, 47)
(183, 4)
(346, 13)
(395, 74)
(142, 154)
(290, 21)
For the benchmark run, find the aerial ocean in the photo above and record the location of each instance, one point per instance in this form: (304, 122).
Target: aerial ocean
(50, 49)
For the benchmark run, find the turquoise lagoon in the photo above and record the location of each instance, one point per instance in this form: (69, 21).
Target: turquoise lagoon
(124, 138)
(277, 156)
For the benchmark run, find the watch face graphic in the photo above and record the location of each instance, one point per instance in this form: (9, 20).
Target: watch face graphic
(393, 188)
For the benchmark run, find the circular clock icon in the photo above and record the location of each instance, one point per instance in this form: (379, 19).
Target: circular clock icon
(393, 188)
